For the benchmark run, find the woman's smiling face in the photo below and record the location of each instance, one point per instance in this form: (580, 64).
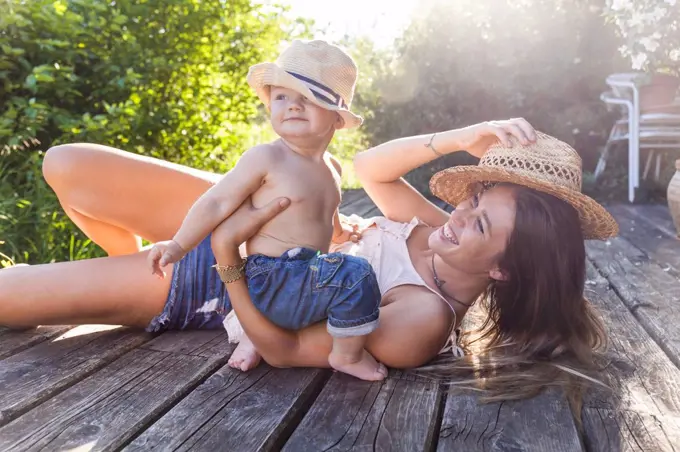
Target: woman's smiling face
(477, 233)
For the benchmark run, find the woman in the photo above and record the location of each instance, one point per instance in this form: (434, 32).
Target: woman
(522, 248)
(518, 244)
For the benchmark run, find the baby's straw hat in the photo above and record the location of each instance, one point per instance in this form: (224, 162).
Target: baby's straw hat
(548, 165)
(322, 72)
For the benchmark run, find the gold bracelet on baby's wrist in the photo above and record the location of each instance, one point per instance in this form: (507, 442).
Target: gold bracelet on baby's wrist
(230, 273)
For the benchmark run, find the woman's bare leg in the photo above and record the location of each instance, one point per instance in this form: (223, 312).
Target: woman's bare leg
(116, 197)
(111, 290)
(114, 240)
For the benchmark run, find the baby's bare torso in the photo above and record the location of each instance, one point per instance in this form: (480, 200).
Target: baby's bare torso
(313, 186)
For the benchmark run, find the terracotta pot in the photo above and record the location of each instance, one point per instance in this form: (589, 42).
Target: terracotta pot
(660, 92)
(673, 197)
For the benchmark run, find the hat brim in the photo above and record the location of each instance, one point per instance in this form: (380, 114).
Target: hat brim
(457, 184)
(264, 75)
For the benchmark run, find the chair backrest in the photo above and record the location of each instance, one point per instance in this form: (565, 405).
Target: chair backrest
(615, 83)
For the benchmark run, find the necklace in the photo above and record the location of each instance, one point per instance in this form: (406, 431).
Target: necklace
(439, 283)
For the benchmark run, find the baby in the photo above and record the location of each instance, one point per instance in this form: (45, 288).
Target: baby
(290, 275)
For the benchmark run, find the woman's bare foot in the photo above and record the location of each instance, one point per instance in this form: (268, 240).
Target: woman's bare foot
(365, 367)
(245, 357)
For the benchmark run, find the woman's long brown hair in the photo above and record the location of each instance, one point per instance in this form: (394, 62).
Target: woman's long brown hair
(539, 331)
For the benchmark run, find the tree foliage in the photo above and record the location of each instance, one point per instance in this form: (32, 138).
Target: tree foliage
(651, 29)
(164, 78)
(468, 61)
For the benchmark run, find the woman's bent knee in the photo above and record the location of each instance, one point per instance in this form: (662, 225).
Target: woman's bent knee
(60, 164)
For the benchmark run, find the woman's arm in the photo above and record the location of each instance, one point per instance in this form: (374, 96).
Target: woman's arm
(273, 342)
(413, 329)
(381, 169)
(405, 337)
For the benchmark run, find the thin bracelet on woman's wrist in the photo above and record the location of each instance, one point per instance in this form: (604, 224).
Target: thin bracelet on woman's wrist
(431, 145)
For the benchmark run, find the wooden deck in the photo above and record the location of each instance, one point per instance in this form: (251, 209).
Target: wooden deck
(112, 388)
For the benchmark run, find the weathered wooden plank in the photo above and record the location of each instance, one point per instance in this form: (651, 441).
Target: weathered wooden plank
(648, 238)
(349, 414)
(360, 207)
(33, 375)
(647, 290)
(351, 196)
(363, 206)
(538, 424)
(109, 407)
(360, 204)
(656, 215)
(14, 341)
(441, 204)
(190, 342)
(623, 431)
(233, 410)
(372, 212)
(642, 409)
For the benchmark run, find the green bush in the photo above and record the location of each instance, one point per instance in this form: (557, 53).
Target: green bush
(164, 78)
(34, 229)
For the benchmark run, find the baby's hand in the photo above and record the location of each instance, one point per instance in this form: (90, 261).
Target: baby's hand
(162, 254)
(349, 233)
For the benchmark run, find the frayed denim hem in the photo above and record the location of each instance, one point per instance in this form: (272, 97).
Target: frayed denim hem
(160, 322)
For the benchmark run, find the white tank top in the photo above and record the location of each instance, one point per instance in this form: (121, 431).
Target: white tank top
(383, 245)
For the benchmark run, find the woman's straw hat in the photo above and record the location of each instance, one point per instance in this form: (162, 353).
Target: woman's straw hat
(548, 165)
(322, 72)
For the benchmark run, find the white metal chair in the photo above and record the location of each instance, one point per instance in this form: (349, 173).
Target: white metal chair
(654, 131)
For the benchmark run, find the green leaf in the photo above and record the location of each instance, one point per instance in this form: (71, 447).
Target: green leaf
(60, 7)
(43, 77)
(30, 82)
(120, 19)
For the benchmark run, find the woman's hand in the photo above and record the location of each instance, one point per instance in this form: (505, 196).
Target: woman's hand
(278, 346)
(478, 138)
(245, 222)
(349, 233)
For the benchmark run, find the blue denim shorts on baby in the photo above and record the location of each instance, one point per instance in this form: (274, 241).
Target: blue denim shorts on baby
(299, 288)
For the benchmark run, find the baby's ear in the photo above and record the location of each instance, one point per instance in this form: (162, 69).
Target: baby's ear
(339, 122)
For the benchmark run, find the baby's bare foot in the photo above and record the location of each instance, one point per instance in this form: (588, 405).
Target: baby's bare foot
(365, 368)
(245, 357)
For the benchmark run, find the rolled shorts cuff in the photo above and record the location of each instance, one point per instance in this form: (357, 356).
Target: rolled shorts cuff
(351, 328)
